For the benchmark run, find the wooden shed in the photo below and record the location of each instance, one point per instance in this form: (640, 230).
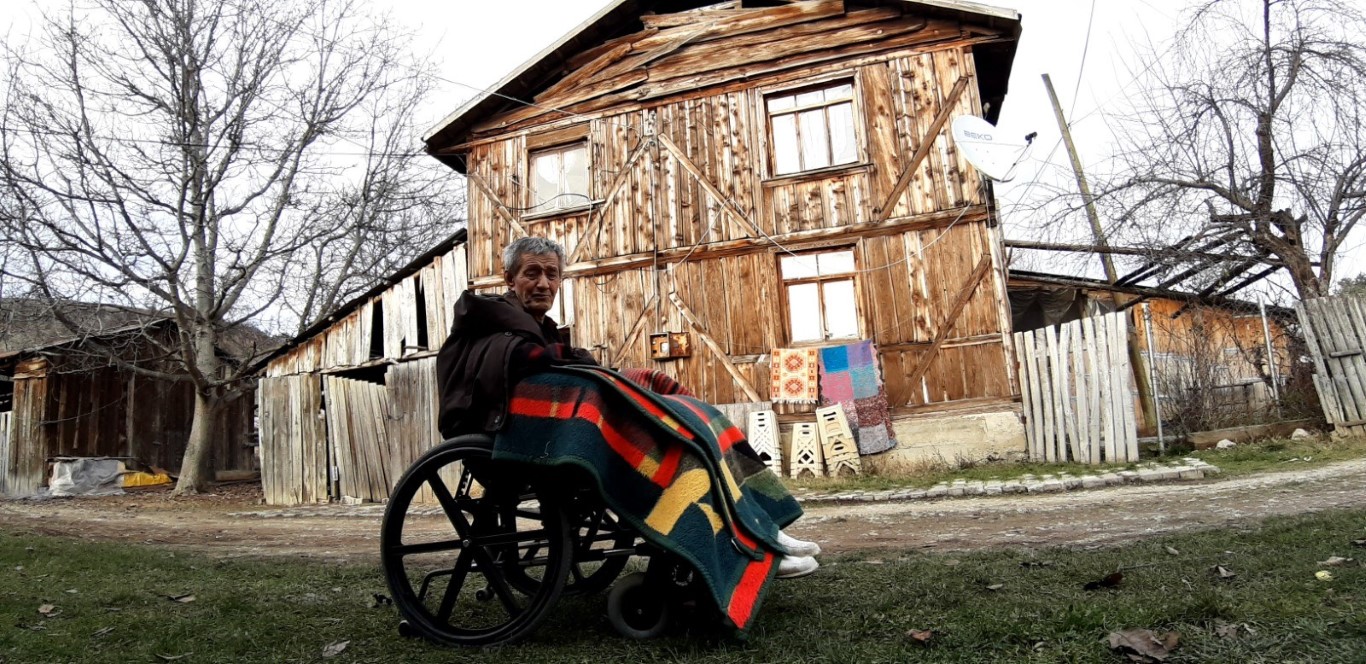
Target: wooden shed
(66, 399)
(760, 175)
(1214, 359)
(350, 403)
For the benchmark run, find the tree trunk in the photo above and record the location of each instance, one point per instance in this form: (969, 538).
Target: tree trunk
(195, 473)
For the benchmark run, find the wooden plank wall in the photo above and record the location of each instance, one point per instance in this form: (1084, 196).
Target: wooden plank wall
(294, 458)
(414, 404)
(1078, 392)
(908, 279)
(1335, 332)
(28, 446)
(722, 132)
(656, 207)
(114, 412)
(347, 343)
(6, 460)
(358, 434)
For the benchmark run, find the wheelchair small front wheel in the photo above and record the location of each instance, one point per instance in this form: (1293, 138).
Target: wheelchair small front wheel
(637, 611)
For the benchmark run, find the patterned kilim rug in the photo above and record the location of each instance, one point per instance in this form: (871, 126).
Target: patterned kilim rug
(795, 376)
(668, 464)
(849, 377)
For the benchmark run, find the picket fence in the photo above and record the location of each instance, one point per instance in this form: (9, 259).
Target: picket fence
(1077, 388)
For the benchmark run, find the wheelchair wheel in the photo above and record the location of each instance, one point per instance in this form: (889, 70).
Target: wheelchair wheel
(636, 610)
(458, 528)
(602, 545)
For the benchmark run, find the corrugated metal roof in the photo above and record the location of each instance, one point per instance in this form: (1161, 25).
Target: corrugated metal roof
(615, 18)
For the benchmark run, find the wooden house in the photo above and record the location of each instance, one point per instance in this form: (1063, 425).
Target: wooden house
(67, 398)
(350, 403)
(756, 175)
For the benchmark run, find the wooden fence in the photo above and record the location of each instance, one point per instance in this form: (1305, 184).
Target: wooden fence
(1335, 331)
(1076, 384)
(5, 420)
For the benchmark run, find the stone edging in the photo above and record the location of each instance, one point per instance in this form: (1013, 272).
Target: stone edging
(1188, 468)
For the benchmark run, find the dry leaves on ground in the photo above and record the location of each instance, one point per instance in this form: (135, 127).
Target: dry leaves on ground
(1172, 551)
(48, 610)
(183, 599)
(1336, 561)
(1142, 645)
(1223, 572)
(335, 648)
(1233, 630)
(1109, 581)
(921, 636)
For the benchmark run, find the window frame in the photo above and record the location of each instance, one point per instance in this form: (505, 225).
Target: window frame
(575, 202)
(832, 80)
(785, 284)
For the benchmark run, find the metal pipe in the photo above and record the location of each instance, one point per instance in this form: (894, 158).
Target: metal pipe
(1152, 377)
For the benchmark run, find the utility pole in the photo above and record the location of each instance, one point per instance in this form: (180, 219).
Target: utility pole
(1096, 230)
(1145, 387)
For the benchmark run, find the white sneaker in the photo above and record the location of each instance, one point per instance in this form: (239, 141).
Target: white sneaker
(791, 567)
(796, 547)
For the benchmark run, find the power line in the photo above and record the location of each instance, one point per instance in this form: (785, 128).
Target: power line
(1081, 69)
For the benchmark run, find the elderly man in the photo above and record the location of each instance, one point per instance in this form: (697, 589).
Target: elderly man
(496, 341)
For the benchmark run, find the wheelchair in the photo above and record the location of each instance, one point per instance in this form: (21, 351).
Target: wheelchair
(477, 552)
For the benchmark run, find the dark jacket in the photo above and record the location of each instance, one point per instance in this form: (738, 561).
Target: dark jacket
(494, 342)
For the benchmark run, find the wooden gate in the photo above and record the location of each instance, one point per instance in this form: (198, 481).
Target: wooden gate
(358, 433)
(5, 420)
(1335, 331)
(1077, 386)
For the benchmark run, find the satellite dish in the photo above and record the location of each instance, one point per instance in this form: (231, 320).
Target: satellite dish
(981, 145)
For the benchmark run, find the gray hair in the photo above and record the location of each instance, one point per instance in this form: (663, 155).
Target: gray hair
(529, 246)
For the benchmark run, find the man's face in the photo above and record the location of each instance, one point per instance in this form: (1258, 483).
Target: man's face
(536, 282)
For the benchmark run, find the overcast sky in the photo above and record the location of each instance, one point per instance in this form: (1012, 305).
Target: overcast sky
(478, 43)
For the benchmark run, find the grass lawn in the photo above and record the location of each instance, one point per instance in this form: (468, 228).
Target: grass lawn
(1248, 458)
(110, 603)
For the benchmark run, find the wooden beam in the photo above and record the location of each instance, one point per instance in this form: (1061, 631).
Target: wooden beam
(715, 348)
(726, 203)
(926, 144)
(1137, 251)
(622, 176)
(497, 204)
(748, 245)
(635, 330)
(941, 335)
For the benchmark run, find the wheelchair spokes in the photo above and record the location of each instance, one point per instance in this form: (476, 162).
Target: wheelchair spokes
(459, 569)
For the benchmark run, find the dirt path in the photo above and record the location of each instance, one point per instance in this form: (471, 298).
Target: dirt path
(231, 524)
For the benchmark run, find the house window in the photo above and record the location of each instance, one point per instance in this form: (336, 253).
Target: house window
(559, 177)
(812, 128)
(819, 287)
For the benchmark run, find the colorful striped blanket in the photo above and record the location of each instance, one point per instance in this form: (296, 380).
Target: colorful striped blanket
(669, 464)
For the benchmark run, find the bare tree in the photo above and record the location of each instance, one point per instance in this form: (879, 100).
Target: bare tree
(1251, 131)
(191, 157)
